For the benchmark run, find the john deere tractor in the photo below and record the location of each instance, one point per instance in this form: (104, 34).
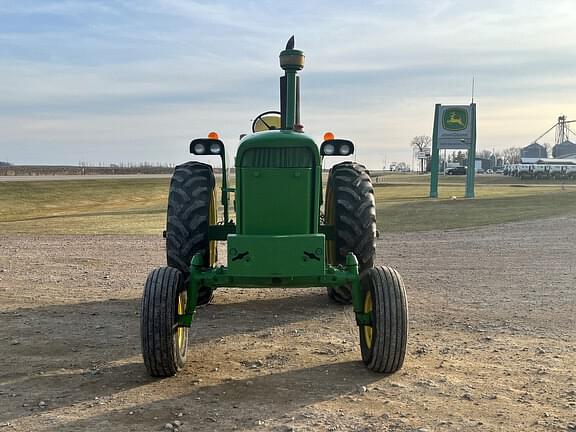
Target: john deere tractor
(285, 235)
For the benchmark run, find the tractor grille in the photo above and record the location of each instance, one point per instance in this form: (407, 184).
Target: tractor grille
(293, 157)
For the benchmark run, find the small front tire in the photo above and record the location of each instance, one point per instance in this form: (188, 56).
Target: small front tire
(383, 342)
(164, 344)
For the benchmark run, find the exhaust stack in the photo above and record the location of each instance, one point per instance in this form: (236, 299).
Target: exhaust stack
(291, 61)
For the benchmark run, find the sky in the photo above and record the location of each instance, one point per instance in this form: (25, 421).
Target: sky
(134, 81)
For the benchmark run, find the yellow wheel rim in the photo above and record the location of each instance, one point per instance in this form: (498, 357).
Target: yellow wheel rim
(368, 310)
(181, 331)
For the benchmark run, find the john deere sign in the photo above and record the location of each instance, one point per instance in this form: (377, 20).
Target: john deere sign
(454, 131)
(455, 119)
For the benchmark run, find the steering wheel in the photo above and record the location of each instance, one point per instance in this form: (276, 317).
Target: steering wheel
(269, 120)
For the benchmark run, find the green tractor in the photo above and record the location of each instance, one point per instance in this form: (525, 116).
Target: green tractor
(280, 237)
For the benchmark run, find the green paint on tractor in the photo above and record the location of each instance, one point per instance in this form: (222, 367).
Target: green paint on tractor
(285, 235)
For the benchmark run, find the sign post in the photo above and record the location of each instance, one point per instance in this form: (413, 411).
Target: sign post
(435, 165)
(454, 128)
(471, 172)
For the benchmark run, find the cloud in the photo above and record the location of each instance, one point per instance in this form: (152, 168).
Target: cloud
(54, 7)
(123, 76)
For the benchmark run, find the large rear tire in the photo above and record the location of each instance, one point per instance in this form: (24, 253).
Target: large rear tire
(383, 342)
(164, 344)
(191, 210)
(350, 208)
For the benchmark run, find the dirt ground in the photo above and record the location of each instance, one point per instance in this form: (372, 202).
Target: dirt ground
(492, 341)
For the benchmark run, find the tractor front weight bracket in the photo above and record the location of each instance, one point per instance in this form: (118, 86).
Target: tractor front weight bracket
(352, 267)
(223, 277)
(186, 319)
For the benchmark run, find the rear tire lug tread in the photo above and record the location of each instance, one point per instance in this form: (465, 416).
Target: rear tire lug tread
(354, 217)
(187, 224)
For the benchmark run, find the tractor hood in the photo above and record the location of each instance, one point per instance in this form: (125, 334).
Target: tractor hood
(277, 149)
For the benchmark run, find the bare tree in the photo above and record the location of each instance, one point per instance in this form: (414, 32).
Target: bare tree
(420, 143)
(484, 154)
(512, 155)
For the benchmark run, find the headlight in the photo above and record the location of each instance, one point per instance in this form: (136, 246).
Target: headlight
(207, 146)
(336, 147)
(329, 149)
(199, 148)
(344, 149)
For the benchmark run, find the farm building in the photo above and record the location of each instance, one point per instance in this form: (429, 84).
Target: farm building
(483, 164)
(534, 150)
(564, 149)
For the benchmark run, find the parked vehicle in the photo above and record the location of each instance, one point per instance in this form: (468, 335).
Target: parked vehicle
(541, 170)
(461, 170)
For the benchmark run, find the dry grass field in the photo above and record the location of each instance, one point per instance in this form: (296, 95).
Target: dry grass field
(138, 205)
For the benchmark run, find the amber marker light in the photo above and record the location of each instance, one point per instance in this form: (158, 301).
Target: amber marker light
(213, 136)
(328, 136)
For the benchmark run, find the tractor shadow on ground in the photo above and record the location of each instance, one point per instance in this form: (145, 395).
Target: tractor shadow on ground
(242, 402)
(219, 320)
(68, 353)
(79, 352)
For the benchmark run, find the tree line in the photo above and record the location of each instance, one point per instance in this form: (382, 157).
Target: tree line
(510, 155)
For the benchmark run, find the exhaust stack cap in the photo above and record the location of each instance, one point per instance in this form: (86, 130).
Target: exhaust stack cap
(291, 59)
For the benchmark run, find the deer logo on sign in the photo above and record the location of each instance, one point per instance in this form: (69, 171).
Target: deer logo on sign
(455, 119)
